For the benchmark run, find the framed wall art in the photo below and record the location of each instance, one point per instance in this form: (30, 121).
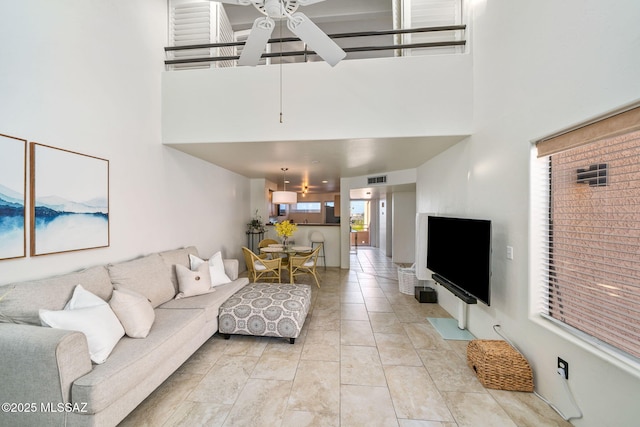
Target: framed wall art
(13, 186)
(69, 201)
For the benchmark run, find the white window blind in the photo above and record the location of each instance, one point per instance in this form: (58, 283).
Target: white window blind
(590, 195)
(432, 13)
(190, 25)
(397, 15)
(224, 35)
(201, 22)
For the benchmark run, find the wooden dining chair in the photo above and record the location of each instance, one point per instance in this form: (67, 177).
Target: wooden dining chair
(262, 269)
(304, 264)
(266, 242)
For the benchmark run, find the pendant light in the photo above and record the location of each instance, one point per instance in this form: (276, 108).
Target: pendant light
(284, 197)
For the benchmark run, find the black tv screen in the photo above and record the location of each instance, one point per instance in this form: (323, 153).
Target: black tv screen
(459, 255)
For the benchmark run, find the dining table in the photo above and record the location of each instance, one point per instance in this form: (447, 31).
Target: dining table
(287, 251)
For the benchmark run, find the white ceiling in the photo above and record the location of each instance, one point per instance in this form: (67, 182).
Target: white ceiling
(311, 162)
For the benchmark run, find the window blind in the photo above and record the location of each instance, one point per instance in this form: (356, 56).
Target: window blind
(432, 13)
(623, 122)
(197, 23)
(190, 25)
(591, 241)
(224, 35)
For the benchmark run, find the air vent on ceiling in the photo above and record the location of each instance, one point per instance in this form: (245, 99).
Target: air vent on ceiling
(377, 179)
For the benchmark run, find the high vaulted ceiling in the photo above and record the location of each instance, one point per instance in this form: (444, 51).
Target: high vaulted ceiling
(320, 164)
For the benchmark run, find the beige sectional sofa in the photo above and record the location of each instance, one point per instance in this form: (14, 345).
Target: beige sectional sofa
(46, 374)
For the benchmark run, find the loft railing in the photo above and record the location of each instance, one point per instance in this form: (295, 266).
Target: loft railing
(305, 53)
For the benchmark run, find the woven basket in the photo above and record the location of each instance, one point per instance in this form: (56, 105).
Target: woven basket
(407, 280)
(499, 366)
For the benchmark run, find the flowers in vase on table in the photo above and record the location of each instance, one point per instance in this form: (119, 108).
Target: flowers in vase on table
(286, 228)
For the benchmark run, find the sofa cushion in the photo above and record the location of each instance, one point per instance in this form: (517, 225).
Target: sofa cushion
(216, 268)
(134, 361)
(177, 257)
(210, 303)
(148, 276)
(134, 312)
(22, 300)
(91, 315)
(193, 282)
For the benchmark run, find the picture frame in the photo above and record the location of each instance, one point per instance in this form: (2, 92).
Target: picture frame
(13, 190)
(69, 201)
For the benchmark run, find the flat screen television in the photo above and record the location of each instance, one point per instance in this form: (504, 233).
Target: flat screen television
(459, 255)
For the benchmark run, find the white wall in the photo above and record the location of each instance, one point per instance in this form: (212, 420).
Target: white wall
(373, 98)
(374, 227)
(385, 232)
(85, 76)
(539, 67)
(259, 200)
(404, 227)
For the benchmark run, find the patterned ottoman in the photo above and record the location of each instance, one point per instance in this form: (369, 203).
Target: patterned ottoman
(266, 310)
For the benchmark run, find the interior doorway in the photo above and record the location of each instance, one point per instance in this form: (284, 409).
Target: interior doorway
(360, 223)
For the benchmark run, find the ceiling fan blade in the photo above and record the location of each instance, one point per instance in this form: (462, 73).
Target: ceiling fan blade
(258, 38)
(315, 38)
(308, 2)
(238, 2)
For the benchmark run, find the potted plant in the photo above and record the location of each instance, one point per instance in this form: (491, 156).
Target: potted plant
(255, 225)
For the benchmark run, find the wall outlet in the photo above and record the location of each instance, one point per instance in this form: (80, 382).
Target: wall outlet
(509, 252)
(562, 364)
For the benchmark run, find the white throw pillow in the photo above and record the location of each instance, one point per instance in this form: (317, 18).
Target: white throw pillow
(216, 268)
(192, 283)
(91, 315)
(134, 311)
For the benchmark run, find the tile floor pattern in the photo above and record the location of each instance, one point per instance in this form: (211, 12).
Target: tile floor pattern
(367, 356)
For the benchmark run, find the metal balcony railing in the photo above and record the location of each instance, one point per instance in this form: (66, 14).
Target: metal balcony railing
(458, 40)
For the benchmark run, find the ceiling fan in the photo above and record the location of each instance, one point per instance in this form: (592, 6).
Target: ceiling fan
(297, 22)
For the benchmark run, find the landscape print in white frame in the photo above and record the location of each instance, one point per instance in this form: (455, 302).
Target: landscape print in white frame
(13, 186)
(69, 201)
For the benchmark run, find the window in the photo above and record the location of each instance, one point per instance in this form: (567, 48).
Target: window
(360, 213)
(589, 181)
(307, 207)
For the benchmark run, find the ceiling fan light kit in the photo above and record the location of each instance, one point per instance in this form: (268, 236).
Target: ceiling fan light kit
(284, 197)
(298, 23)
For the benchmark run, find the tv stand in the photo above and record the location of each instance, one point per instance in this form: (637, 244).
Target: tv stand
(462, 314)
(463, 299)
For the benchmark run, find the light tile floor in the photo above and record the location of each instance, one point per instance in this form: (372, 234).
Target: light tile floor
(367, 356)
